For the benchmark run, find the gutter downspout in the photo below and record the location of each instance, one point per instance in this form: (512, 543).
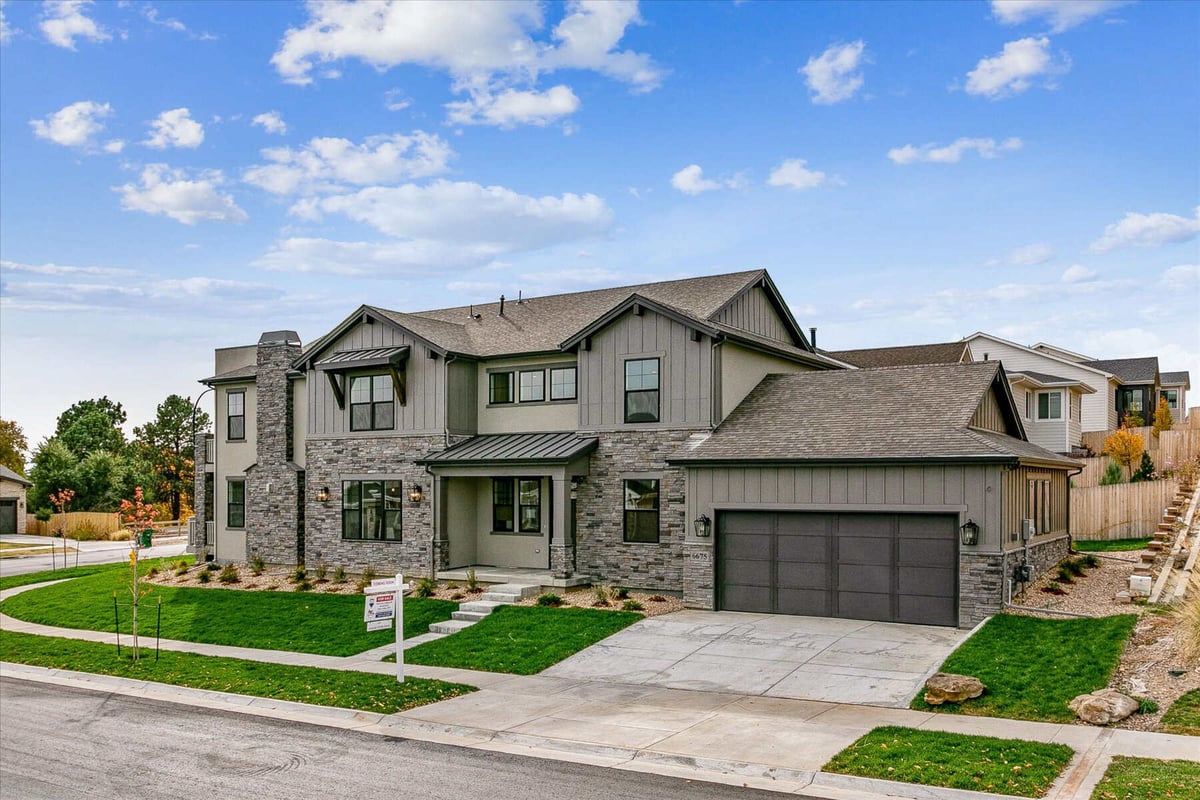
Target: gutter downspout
(1070, 541)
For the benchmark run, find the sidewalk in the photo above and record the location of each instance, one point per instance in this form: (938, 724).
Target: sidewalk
(761, 742)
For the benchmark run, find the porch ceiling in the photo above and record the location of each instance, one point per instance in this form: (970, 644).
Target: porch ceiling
(514, 448)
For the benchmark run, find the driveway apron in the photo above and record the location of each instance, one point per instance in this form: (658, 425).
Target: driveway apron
(803, 658)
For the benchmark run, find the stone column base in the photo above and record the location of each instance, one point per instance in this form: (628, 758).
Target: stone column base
(562, 560)
(699, 576)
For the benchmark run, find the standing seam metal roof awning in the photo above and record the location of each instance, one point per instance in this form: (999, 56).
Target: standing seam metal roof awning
(373, 357)
(511, 448)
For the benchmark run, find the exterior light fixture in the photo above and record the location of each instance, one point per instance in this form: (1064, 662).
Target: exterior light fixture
(323, 494)
(969, 533)
(702, 526)
(414, 494)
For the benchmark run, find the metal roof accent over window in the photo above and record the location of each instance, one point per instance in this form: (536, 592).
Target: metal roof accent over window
(515, 448)
(356, 359)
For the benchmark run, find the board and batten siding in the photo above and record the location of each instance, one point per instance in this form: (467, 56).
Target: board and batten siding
(971, 491)
(685, 373)
(425, 409)
(753, 311)
(1017, 502)
(462, 412)
(988, 416)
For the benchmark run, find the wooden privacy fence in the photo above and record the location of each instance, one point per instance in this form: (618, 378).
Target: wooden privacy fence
(1093, 471)
(1123, 511)
(1174, 446)
(97, 521)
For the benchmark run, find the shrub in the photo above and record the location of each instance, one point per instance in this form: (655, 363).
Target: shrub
(1090, 560)
(229, 574)
(457, 596)
(43, 514)
(472, 581)
(1074, 566)
(1133, 420)
(204, 577)
(122, 535)
(181, 564)
(1112, 475)
(632, 605)
(620, 593)
(1145, 470)
(367, 576)
(1064, 575)
(549, 599)
(86, 532)
(1124, 446)
(425, 586)
(322, 572)
(303, 585)
(657, 598)
(181, 570)
(339, 574)
(212, 566)
(150, 573)
(601, 592)
(298, 575)
(1053, 588)
(1162, 417)
(257, 565)
(1146, 705)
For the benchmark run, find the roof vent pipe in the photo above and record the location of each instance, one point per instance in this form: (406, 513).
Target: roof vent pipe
(812, 334)
(520, 298)
(501, 306)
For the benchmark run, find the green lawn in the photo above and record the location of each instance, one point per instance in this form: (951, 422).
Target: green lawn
(323, 687)
(326, 624)
(79, 572)
(521, 639)
(1129, 778)
(1032, 667)
(1116, 545)
(955, 760)
(1184, 715)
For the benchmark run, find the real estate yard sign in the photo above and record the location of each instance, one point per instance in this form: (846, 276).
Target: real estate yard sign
(385, 602)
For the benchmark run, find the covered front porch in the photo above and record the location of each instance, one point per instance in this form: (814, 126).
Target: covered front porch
(506, 507)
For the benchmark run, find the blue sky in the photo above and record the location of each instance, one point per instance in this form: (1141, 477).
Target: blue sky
(176, 177)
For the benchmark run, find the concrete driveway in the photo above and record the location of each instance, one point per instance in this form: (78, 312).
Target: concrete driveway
(804, 658)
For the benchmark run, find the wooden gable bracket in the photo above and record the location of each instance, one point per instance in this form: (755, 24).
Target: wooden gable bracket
(399, 382)
(335, 385)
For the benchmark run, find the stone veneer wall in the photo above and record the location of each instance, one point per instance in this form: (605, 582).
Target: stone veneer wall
(600, 549)
(272, 488)
(327, 461)
(200, 501)
(699, 576)
(983, 578)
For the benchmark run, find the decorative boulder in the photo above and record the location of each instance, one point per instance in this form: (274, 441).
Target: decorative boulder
(1103, 707)
(945, 687)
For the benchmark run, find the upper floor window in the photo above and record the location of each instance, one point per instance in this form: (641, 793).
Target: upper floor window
(533, 386)
(562, 383)
(372, 405)
(371, 510)
(1172, 398)
(235, 408)
(1029, 405)
(641, 390)
(1050, 405)
(500, 387)
(235, 508)
(641, 511)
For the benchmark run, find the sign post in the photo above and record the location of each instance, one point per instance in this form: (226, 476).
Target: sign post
(385, 603)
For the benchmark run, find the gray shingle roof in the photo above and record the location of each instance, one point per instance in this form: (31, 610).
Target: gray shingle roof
(917, 412)
(1128, 370)
(939, 353)
(1046, 379)
(1174, 378)
(246, 373)
(10, 475)
(511, 448)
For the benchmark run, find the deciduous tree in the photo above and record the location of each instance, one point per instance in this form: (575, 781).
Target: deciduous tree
(13, 446)
(166, 443)
(1124, 446)
(1162, 417)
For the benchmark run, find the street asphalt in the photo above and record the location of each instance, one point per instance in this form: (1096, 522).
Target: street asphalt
(86, 553)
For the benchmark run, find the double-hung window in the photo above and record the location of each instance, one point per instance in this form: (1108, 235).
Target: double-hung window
(641, 510)
(502, 505)
(641, 390)
(372, 510)
(500, 387)
(235, 413)
(516, 505)
(562, 383)
(372, 404)
(533, 386)
(1050, 405)
(235, 506)
(1172, 398)
(529, 496)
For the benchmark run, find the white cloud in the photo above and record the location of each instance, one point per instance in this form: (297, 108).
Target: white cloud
(314, 255)
(329, 164)
(64, 21)
(75, 125)
(175, 128)
(1182, 278)
(952, 153)
(1061, 14)
(151, 14)
(1030, 255)
(6, 30)
(1147, 230)
(834, 75)
(396, 100)
(60, 269)
(1077, 273)
(215, 295)
(1015, 68)
(114, 145)
(171, 193)
(793, 174)
(271, 122)
(512, 107)
(691, 180)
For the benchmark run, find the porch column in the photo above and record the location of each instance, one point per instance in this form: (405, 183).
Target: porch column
(441, 534)
(562, 543)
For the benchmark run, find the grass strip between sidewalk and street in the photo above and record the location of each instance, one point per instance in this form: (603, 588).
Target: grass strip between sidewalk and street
(1129, 778)
(954, 760)
(1033, 667)
(303, 622)
(1183, 716)
(313, 685)
(1114, 546)
(522, 640)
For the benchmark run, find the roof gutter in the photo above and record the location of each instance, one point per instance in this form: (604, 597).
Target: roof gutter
(816, 462)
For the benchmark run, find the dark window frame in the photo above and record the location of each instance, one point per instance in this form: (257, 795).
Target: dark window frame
(390, 508)
(1049, 405)
(230, 505)
(522, 525)
(374, 406)
(511, 394)
(503, 500)
(633, 515)
(229, 418)
(1172, 398)
(574, 383)
(643, 391)
(521, 385)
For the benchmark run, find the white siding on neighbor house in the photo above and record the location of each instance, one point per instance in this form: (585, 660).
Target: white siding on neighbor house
(1075, 423)
(518, 417)
(753, 311)
(742, 369)
(1099, 409)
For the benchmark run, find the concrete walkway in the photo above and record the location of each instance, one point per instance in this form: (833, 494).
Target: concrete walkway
(763, 742)
(803, 658)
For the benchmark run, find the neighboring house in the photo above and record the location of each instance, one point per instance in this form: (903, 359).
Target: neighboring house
(1138, 391)
(909, 355)
(1174, 389)
(12, 501)
(551, 437)
(1052, 407)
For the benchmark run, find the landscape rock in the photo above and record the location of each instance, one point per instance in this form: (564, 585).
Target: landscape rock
(1103, 707)
(945, 687)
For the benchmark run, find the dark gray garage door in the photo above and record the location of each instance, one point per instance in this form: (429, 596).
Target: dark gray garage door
(892, 567)
(8, 516)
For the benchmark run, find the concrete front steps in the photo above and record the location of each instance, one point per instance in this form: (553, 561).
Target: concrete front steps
(469, 613)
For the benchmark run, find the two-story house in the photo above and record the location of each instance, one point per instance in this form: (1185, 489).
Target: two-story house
(566, 438)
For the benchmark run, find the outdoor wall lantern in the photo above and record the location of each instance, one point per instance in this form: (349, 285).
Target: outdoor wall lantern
(414, 494)
(969, 533)
(703, 526)
(323, 494)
